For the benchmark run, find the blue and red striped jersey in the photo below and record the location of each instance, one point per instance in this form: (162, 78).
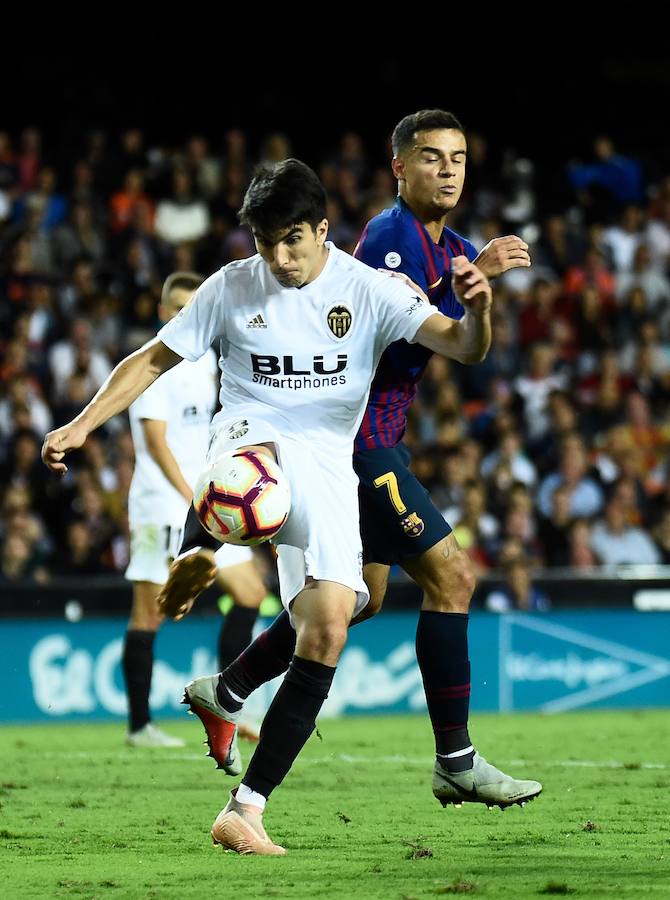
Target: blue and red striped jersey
(396, 239)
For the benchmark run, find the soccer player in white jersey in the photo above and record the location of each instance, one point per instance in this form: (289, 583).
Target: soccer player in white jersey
(296, 389)
(170, 428)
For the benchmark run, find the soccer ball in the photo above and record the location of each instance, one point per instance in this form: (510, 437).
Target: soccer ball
(242, 498)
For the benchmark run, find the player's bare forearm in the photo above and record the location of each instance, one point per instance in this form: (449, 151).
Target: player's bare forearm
(128, 380)
(473, 336)
(154, 434)
(467, 341)
(131, 377)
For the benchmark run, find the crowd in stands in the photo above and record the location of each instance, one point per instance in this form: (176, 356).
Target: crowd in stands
(552, 452)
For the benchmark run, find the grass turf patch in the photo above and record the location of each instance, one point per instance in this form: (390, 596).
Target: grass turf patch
(82, 815)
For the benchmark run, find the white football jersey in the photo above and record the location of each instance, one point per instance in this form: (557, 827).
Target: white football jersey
(302, 358)
(184, 398)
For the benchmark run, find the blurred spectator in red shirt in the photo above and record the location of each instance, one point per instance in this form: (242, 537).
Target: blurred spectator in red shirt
(124, 203)
(593, 272)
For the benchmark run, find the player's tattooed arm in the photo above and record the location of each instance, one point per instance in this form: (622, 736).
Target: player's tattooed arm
(468, 339)
(127, 381)
(502, 254)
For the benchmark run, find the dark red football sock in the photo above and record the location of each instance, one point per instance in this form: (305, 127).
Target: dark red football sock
(442, 654)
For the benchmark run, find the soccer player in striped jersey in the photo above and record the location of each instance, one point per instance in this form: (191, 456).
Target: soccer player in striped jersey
(399, 522)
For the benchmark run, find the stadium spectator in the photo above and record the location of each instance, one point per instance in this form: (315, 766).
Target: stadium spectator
(17, 517)
(581, 555)
(76, 355)
(29, 159)
(538, 312)
(16, 562)
(586, 496)
(204, 168)
(77, 238)
(509, 461)
(591, 272)
(182, 217)
(616, 543)
(519, 525)
(82, 556)
(518, 591)
(45, 200)
(83, 192)
(650, 439)
(646, 337)
(535, 387)
(22, 393)
(89, 509)
(592, 325)
(621, 241)
(22, 468)
(133, 155)
(475, 529)
(657, 234)
(125, 202)
(560, 247)
(78, 291)
(641, 275)
(609, 181)
(553, 530)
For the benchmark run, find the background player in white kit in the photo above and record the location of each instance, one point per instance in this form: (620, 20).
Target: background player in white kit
(296, 389)
(170, 429)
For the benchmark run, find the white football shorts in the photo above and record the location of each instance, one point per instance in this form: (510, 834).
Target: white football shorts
(154, 546)
(321, 537)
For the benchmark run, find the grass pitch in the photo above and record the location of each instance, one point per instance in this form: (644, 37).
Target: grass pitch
(83, 816)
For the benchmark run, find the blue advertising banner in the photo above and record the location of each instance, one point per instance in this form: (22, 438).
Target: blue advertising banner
(62, 670)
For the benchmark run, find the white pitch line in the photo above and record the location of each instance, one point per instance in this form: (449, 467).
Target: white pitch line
(388, 760)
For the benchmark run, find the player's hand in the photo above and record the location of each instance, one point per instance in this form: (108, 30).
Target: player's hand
(502, 254)
(401, 275)
(57, 443)
(470, 285)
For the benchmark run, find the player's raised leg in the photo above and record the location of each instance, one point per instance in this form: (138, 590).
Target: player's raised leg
(191, 572)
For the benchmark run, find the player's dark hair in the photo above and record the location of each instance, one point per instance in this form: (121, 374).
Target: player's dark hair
(424, 120)
(186, 281)
(281, 195)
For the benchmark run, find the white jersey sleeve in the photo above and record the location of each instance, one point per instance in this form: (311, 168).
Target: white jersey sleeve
(192, 332)
(400, 310)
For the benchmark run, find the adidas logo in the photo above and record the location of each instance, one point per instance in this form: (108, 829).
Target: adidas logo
(257, 322)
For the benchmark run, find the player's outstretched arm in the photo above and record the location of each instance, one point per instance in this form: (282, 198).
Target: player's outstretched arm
(502, 254)
(127, 381)
(467, 340)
